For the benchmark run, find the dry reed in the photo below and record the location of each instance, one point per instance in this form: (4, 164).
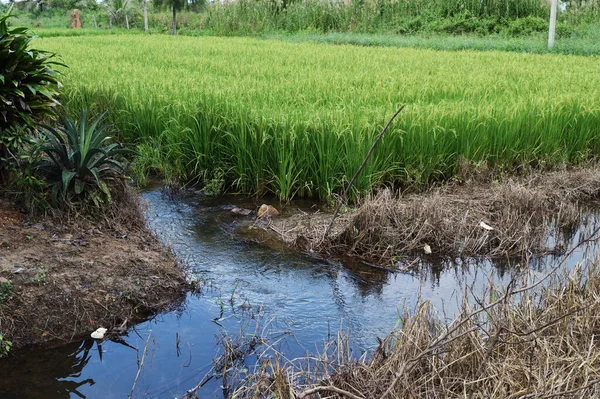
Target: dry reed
(535, 338)
(522, 211)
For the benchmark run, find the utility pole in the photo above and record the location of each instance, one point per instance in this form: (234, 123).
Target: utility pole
(145, 15)
(553, 8)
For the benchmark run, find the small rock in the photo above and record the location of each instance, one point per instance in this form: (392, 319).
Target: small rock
(99, 333)
(4, 281)
(267, 211)
(427, 249)
(18, 270)
(199, 192)
(39, 226)
(241, 211)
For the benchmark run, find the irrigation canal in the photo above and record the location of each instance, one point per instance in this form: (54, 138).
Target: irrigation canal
(299, 302)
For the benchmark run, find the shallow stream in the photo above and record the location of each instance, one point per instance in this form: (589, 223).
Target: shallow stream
(301, 301)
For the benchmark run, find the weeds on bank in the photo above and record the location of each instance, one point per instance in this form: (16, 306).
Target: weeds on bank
(6, 290)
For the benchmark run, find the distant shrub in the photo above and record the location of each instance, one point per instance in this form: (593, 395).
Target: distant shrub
(526, 26)
(564, 30)
(466, 24)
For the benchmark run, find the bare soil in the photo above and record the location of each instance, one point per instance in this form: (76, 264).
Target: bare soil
(70, 275)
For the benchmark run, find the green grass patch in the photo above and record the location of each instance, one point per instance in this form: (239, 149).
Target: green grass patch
(297, 118)
(534, 43)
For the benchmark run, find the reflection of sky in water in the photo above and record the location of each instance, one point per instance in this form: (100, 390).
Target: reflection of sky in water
(301, 298)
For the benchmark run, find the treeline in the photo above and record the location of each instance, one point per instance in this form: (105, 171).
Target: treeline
(513, 17)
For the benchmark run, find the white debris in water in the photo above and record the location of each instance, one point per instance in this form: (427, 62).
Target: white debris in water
(99, 333)
(483, 225)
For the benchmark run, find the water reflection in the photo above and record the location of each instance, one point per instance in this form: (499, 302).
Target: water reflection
(56, 372)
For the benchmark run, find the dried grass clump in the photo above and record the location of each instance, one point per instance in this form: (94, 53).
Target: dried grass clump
(527, 340)
(124, 213)
(523, 213)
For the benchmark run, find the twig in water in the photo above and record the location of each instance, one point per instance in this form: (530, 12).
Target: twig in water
(139, 367)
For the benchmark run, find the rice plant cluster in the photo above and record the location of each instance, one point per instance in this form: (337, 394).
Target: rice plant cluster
(296, 119)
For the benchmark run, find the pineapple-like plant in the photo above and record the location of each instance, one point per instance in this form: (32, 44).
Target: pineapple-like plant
(80, 159)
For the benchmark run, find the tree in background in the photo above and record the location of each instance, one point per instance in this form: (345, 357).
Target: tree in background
(116, 9)
(174, 5)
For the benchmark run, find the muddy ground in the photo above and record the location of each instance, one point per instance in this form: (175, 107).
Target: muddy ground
(61, 279)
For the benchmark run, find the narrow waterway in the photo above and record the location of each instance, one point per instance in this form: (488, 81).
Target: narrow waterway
(297, 301)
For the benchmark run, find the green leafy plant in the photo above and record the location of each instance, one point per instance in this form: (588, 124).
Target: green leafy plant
(28, 82)
(6, 290)
(5, 346)
(28, 90)
(40, 276)
(80, 158)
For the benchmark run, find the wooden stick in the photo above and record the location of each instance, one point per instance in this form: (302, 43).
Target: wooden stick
(345, 195)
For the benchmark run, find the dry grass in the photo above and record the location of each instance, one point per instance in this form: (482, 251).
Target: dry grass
(523, 212)
(527, 340)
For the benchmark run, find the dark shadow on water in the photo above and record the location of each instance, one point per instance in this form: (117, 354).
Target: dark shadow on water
(53, 373)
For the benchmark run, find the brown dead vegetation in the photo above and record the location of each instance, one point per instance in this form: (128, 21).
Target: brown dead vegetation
(531, 339)
(71, 274)
(385, 227)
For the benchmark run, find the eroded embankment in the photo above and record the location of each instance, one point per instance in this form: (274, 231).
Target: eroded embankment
(61, 278)
(479, 217)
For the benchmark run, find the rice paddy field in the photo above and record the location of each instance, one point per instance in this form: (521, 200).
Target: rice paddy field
(296, 119)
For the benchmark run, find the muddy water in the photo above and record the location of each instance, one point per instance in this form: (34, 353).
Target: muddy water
(299, 302)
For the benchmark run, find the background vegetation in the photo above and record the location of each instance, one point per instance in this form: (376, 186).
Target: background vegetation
(507, 17)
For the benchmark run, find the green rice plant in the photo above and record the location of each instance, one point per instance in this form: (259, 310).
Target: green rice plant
(79, 158)
(296, 119)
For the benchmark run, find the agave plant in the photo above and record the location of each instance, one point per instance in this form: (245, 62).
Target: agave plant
(80, 158)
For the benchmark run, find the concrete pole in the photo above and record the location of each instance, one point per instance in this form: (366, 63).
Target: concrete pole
(553, 8)
(146, 16)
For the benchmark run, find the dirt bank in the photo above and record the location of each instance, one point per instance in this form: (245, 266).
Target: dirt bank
(61, 278)
(478, 215)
